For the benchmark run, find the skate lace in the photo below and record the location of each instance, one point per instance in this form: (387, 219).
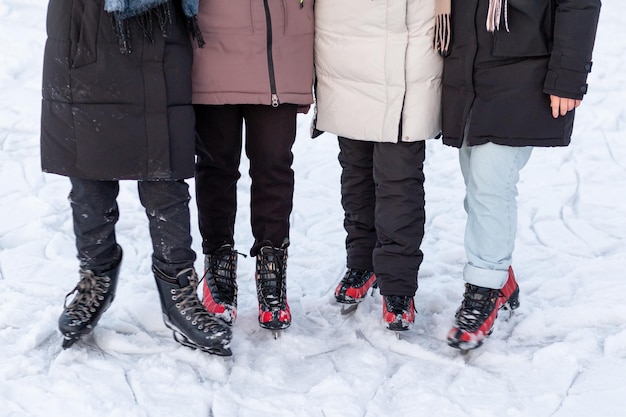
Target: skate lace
(90, 292)
(189, 305)
(354, 278)
(221, 275)
(398, 304)
(271, 279)
(477, 304)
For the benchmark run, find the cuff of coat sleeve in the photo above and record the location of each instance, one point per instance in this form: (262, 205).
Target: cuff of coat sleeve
(567, 76)
(566, 84)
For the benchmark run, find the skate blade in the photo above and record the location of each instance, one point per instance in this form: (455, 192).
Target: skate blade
(399, 333)
(509, 309)
(348, 309)
(465, 347)
(399, 327)
(68, 341)
(218, 350)
(275, 326)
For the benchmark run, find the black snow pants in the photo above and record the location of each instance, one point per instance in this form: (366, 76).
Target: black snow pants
(95, 213)
(382, 193)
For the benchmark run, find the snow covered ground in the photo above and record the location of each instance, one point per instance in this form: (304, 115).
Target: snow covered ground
(562, 354)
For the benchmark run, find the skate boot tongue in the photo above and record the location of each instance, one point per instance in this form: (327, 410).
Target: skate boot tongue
(183, 280)
(271, 291)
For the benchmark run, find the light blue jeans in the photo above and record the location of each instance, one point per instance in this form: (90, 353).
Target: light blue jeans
(491, 173)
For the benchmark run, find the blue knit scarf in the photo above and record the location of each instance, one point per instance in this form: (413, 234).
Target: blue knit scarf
(132, 8)
(144, 11)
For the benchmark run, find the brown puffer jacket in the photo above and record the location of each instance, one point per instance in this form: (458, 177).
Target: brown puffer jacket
(256, 52)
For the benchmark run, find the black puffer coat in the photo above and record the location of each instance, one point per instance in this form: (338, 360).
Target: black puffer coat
(112, 115)
(505, 78)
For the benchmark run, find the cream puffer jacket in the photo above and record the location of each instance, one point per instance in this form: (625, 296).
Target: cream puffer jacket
(376, 69)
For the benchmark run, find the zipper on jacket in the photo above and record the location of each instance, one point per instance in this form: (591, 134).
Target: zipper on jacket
(270, 58)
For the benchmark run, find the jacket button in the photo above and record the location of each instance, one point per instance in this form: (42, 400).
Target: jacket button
(583, 89)
(588, 67)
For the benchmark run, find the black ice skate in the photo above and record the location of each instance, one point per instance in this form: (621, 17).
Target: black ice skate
(271, 285)
(94, 295)
(478, 312)
(398, 312)
(353, 288)
(219, 291)
(184, 314)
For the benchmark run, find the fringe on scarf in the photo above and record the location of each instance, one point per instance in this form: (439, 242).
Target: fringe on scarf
(194, 30)
(442, 36)
(441, 39)
(160, 15)
(494, 15)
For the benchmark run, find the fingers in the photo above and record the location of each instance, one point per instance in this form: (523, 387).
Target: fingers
(561, 105)
(554, 105)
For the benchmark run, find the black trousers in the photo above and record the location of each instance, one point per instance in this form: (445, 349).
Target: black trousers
(382, 194)
(95, 213)
(270, 134)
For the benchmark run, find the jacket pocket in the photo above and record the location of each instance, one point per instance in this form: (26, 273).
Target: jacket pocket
(530, 30)
(84, 28)
(226, 16)
(298, 20)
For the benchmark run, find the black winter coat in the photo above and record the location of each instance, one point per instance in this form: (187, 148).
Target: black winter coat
(111, 115)
(505, 78)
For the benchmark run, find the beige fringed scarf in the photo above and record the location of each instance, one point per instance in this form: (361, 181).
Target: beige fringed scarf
(441, 41)
(442, 26)
(495, 13)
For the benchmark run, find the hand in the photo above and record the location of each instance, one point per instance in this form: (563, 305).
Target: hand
(561, 105)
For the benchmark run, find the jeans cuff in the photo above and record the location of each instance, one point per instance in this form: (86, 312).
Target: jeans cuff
(488, 278)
